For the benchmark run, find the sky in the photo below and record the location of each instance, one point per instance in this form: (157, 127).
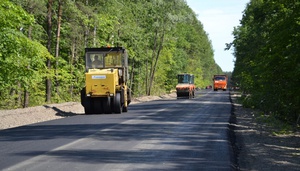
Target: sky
(219, 17)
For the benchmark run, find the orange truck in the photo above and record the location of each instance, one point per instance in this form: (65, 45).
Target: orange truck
(220, 82)
(185, 86)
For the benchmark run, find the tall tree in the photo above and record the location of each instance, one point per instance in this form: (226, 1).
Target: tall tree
(23, 59)
(162, 39)
(59, 18)
(49, 42)
(267, 57)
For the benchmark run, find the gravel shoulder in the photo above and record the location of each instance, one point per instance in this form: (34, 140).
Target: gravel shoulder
(255, 146)
(18, 117)
(258, 148)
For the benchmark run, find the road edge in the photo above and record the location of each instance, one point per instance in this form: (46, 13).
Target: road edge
(233, 147)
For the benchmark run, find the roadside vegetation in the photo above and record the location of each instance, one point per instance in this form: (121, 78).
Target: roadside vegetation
(267, 51)
(42, 46)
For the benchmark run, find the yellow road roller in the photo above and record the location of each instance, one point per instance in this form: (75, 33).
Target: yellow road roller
(106, 75)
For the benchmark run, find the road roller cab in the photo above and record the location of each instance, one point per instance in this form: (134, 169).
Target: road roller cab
(106, 76)
(185, 86)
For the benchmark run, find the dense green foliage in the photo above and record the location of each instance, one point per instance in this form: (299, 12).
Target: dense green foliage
(22, 61)
(42, 46)
(267, 49)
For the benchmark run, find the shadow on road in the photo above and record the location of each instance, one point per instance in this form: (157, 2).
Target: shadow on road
(61, 112)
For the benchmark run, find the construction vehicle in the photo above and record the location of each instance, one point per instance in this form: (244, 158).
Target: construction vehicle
(106, 75)
(220, 82)
(185, 86)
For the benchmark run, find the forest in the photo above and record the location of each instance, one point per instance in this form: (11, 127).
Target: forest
(267, 58)
(42, 46)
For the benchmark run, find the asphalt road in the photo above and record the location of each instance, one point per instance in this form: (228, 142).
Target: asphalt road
(178, 134)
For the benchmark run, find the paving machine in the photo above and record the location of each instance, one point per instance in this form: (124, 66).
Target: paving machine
(106, 75)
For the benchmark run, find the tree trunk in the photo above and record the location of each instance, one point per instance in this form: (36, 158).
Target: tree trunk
(151, 65)
(26, 99)
(26, 92)
(59, 15)
(155, 56)
(73, 47)
(11, 97)
(94, 36)
(49, 33)
(19, 92)
(86, 34)
(146, 77)
(155, 62)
